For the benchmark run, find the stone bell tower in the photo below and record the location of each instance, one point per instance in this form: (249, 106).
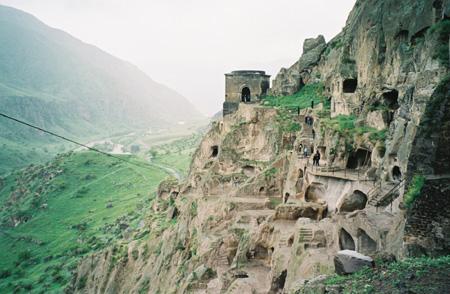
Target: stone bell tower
(244, 86)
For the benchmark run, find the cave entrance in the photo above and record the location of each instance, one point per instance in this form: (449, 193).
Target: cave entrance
(396, 173)
(245, 95)
(314, 192)
(366, 245)
(214, 151)
(301, 84)
(359, 159)
(350, 85)
(346, 241)
(355, 201)
(391, 99)
(248, 170)
(322, 151)
(299, 184)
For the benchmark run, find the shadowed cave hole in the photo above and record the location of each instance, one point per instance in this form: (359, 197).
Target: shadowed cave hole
(346, 241)
(314, 192)
(355, 201)
(391, 99)
(366, 245)
(214, 151)
(358, 159)
(350, 85)
(437, 5)
(245, 94)
(396, 173)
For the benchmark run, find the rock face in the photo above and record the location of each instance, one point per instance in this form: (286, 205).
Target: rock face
(348, 261)
(225, 229)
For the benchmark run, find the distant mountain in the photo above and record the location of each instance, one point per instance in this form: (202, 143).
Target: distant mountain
(50, 78)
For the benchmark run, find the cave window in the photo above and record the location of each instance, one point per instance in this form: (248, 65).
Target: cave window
(261, 252)
(214, 151)
(291, 241)
(300, 174)
(391, 99)
(301, 84)
(355, 201)
(245, 94)
(359, 159)
(350, 85)
(346, 241)
(396, 173)
(366, 245)
(261, 190)
(314, 192)
(403, 35)
(248, 170)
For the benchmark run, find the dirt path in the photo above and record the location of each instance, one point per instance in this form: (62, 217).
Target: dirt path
(168, 169)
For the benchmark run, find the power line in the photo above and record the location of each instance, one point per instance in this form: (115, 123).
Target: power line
(73, 141)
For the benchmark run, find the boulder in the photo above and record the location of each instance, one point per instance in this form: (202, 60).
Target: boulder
(349, 261)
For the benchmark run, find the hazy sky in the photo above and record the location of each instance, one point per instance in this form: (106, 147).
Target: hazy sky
(189, 44)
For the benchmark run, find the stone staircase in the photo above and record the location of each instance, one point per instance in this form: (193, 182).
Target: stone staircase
(382, 196)
(305, 235)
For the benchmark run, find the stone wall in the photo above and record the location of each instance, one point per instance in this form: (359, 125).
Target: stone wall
(427, 229)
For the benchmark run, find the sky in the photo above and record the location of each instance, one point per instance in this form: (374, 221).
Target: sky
(189, 45)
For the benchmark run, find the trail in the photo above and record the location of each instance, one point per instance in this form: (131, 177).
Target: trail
(168, 169)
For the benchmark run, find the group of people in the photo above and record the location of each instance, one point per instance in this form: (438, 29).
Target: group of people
(316, 158)
(309, 120)
(305, 151)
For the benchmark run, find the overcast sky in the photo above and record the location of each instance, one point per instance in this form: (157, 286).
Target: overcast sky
(189, 44)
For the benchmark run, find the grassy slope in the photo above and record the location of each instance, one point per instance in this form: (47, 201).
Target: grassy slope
(414, 275)
(39, 254)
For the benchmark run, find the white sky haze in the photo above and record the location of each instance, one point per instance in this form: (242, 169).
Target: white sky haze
(189, 44)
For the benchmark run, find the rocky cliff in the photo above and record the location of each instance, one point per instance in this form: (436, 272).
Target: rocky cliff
(254, 214)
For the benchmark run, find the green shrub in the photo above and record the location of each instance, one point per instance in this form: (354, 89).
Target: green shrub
(24, 255)
(442, 31)
(302, 99)
(414, 190)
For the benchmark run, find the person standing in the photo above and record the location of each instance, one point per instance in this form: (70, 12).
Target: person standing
(305, 151)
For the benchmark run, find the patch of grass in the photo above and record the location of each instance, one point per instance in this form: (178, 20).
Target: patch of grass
(417, 275)
(302, 99)
(414, 190)
(54, 236)
(345, 126)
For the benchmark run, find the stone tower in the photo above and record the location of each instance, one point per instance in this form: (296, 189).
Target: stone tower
(244, 86)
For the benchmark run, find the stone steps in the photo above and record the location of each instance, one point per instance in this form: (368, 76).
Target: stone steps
(305, 235)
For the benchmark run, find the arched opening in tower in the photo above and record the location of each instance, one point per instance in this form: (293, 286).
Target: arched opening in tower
(350, 85)
(245, 94)
(346, 241)
(396, 173)
(359, 159)
(366, 245)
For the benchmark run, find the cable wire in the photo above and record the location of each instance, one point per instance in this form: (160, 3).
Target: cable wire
(74, 142)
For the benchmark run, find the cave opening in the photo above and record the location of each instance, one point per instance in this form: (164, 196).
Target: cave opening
(314, 192)
(396, 173)
(346, 241)
(355, 201)
(350, 85)
(248, 170)
(245, 94)
(359, 159)
(391, 99)
(366, 245)
(214, 151)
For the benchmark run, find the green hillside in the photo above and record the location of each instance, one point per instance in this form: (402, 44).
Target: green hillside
(53, 214)
(57, 82)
